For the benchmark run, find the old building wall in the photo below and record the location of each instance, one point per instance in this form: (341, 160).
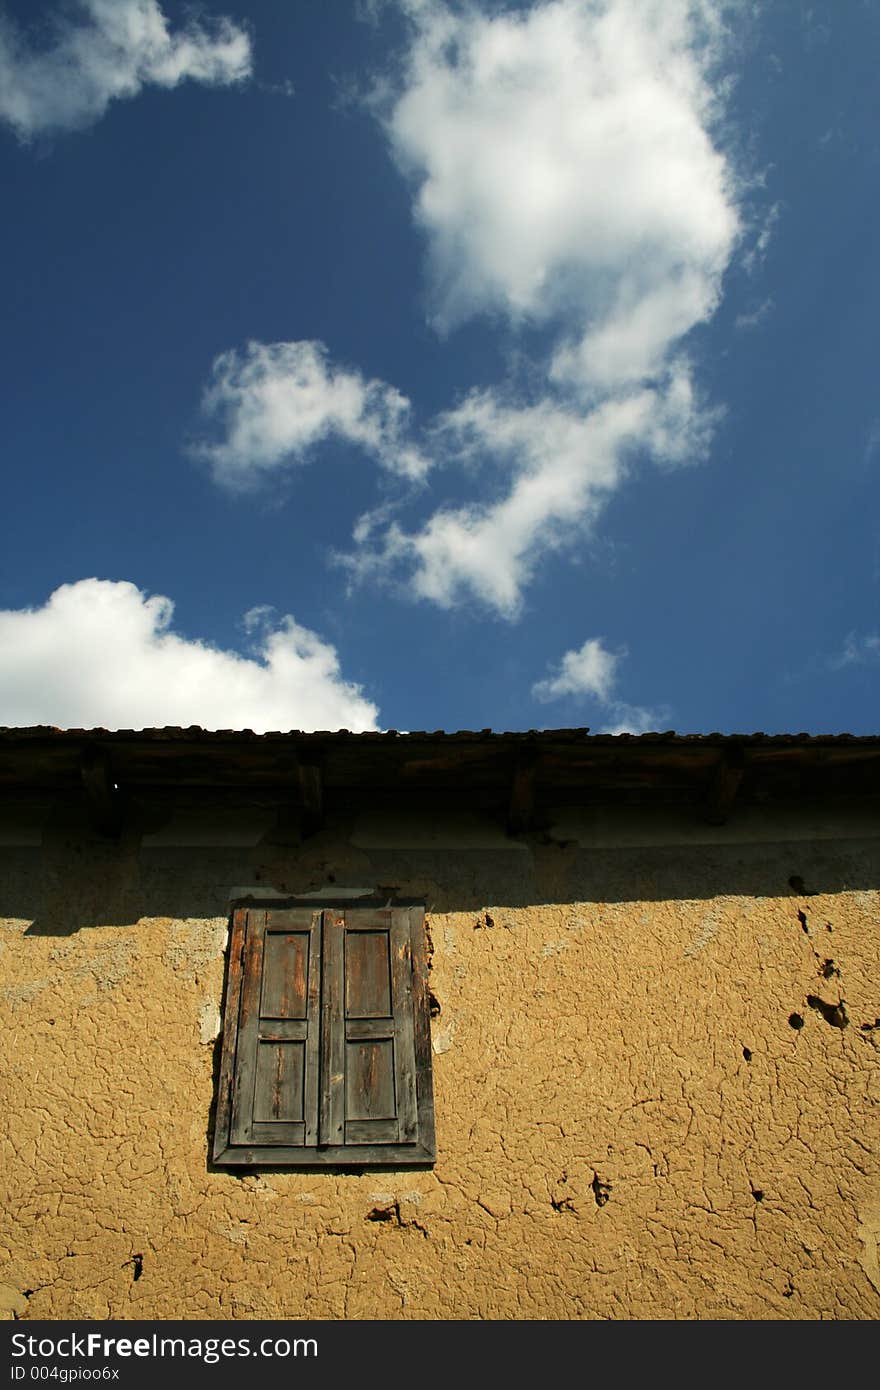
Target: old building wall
(650, 1100)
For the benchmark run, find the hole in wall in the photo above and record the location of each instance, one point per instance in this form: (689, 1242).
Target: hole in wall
(601, 1190)
(796, 1020)
(834, 1014)
(391, 1213)
(747, 1053)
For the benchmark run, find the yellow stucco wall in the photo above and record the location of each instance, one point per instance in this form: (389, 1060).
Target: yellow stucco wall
(628, 1124)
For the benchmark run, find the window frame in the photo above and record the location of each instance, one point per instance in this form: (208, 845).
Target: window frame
(406, 921)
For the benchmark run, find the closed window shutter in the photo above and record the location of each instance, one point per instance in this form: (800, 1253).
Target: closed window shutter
(326, 1049)
(275, 1097)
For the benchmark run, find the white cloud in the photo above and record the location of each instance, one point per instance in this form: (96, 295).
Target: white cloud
(559, 466)
(117, 48)
(565, 176)
(565, 171)
(590, 672)
(100, 653)
(277, 401)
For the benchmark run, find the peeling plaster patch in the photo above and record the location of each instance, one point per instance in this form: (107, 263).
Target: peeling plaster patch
(23, 994)
(553, 948)
(209, 1022)
(442, 1039)
(387, 1199)
(107, 968)
(194, 945)
(708, 929)
(237, 1235)
(255, 1182)
(868, 1233)
(109, 961)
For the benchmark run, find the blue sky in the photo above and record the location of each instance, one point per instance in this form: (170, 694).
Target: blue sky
(417, 365)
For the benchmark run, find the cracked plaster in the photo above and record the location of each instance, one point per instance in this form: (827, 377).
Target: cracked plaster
(627, 1124)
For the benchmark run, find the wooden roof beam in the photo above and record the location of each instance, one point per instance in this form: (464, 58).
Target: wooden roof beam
(521, 806)
(724, 786)
(103, 798)
(311, 794)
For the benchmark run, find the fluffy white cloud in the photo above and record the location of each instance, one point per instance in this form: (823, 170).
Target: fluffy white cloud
(565, 171)
(101, 653)
(115, 48)
(276, 401)
(565, 175)
(590, 671)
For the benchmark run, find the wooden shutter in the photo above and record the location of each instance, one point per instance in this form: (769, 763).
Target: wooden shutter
(326, 1048)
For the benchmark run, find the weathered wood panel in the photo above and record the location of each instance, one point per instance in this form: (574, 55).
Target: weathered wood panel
(367, 974)
(369, 1080)
(280, 1082)
(285, 975)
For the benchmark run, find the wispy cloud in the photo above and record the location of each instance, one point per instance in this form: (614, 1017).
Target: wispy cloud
(559, 465)
(858, 650)
(101, 653)
(110, 49)
(275, 402)
(589, 672)
(763, 234)
(755, 316)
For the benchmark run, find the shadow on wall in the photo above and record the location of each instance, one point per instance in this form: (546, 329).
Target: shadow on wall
(79, 879)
